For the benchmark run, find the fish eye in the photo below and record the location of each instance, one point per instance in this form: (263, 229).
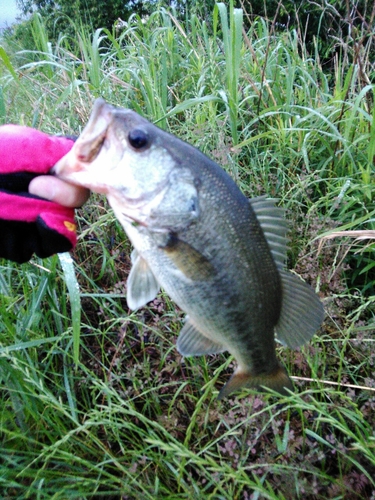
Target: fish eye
(138, 138)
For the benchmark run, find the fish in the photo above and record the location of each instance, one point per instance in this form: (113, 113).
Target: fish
(219, 255)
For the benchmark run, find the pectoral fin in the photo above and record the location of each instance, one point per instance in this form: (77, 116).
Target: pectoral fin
(277, 380)
(142, 286)
(191, 342)
(302, 312)
(189, 261)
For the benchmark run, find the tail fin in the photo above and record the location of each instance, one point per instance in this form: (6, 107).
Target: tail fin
(278, 380)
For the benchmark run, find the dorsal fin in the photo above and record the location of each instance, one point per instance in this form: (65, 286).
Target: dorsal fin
(272, 220)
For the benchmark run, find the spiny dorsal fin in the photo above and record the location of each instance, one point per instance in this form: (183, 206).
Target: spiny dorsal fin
(191, 342)
(302, 312)
(142, 286)
(272, 220)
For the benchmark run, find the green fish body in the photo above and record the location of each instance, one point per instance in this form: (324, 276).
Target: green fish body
(217, 254)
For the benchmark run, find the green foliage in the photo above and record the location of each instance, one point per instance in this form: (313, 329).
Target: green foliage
(132, 418)
(100, 14)
(333, 26)
(91, 13)
(232, 42)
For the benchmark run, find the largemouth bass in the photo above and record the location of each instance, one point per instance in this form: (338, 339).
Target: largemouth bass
(217, 254)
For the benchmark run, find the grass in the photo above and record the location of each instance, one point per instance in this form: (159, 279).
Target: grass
(126, 417)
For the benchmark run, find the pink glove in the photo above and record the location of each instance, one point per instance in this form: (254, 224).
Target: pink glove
(29, 224)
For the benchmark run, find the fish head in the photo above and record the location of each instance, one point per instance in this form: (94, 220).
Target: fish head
(122, 155)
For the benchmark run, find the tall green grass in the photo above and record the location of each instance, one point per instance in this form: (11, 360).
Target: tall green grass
(126, 416)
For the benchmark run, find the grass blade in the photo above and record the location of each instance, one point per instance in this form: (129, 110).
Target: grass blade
(67, 266)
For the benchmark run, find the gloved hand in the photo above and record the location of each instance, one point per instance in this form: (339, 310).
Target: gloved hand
(30, 224)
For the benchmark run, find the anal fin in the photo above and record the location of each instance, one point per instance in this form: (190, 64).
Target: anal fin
(277, 380)
(192, 342)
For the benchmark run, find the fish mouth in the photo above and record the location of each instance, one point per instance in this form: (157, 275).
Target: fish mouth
(88, 145)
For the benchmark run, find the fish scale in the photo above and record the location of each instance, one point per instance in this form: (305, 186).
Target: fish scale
(217, 254)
